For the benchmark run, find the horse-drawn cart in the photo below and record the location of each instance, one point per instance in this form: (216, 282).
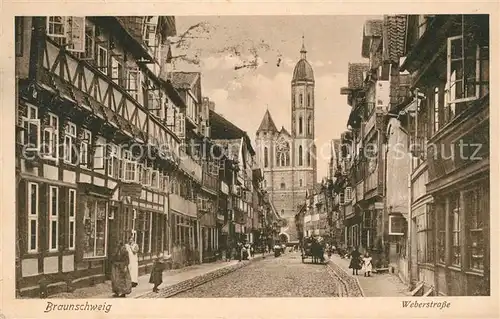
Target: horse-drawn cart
(312, 249)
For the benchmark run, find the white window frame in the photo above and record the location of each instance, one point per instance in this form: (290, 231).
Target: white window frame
(33, 216)
(85, 144)
(450, 88)
(166, 183)
(155, 105)
(53, 130)
(72, 218)
(100, 149)
(50, 21)
(113, 155)
(69, 141)
(390, 225)
(146, 177)
(130, 167)
(53, 218)
(149, 31)
(102, 53)
(134, 85)
(75, 35)
(31, 118)
(106, 230)
(155, 183)
(348, 194)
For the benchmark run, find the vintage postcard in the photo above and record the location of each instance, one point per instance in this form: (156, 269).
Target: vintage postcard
(242, 160)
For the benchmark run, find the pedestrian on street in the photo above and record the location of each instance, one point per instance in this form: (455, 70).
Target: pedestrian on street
(367, 264)
(156, 277)
(133, 249)
(355, 263)
(120, 275)
(252, 250)
(228, 252)
(239, 247)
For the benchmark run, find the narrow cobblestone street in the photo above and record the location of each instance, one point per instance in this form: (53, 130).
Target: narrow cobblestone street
(285, 276)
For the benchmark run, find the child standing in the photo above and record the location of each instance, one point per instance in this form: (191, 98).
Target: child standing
(156, 276)
(367, 264)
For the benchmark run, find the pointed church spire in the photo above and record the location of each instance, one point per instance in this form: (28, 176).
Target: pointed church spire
(303, 50)
(267, 123)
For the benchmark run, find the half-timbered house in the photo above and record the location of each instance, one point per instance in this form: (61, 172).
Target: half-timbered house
(97, 144)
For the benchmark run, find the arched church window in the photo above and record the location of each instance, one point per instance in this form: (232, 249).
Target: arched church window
(308, 99)
(309, 130)
(300, 182)
(282, 152)
(300, 125)
(282, 185)
(300, 155)
(308, 158)
(301, 100)
(266, 157)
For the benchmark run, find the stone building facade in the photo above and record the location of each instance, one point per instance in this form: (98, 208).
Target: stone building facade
(288, 159)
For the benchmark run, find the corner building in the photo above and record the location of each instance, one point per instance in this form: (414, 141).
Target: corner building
(288, 159)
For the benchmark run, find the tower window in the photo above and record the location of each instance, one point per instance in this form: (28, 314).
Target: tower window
(309, 130)
(300, 125)
(282, 185)
(308, 99)
(266, 157)
(301, 100)
(300, 182)
(300, 155)
(308, 158)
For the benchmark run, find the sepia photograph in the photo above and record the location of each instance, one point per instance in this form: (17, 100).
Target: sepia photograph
(250, 156)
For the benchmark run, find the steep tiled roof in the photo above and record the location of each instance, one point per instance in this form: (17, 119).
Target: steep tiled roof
(372, 28)
(395, 35)
(355, 75)
(267, 124)
(184, 80)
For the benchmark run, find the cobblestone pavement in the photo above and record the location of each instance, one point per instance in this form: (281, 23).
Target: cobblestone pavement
(284, 276)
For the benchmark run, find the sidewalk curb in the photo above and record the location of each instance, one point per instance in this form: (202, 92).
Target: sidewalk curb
(198, 280)
(351, 284)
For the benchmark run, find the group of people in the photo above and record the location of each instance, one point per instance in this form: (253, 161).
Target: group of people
(359, 261)
(125, 269)
(242, 250)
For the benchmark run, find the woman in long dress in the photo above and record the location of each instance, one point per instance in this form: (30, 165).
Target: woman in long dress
(355, 263)
(133, 249)
(120, 275)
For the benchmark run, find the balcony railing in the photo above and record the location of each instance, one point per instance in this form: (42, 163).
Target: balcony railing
(183, 206)
(190, 166)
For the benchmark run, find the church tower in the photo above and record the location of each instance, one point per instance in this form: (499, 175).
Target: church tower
(302, 102)
(288, 159)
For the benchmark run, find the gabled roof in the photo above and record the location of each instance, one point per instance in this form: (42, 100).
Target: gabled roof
(184, 80)
(284, 131)
(355, 75)
(221, 128)
(267, 124)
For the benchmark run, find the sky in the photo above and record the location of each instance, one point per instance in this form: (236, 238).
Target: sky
(243, 95)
